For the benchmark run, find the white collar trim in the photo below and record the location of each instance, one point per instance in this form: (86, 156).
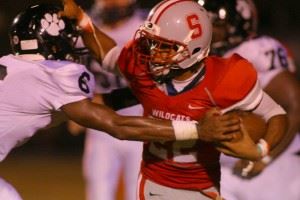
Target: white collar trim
(31, 57)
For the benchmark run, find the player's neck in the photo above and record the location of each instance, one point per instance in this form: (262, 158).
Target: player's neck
(190, 73)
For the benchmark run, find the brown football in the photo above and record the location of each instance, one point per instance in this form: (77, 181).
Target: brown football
(254, 124)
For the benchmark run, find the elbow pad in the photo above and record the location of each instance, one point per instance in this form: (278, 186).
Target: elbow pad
(110, 60)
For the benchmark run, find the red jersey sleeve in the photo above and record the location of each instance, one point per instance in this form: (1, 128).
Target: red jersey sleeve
(124, 59)
(136, 73)
(239, 78)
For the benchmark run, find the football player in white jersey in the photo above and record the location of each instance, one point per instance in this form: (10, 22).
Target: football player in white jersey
(41, 86)
(277, 176)
(119, 19)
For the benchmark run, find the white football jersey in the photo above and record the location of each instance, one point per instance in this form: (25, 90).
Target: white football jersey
(32, 93)
(267, 55)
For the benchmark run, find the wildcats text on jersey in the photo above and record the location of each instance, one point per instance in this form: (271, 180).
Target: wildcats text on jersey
(170, 116)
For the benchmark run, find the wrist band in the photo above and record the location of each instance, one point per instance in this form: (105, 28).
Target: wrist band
(263, 147)
(85, 22)
(185, 130)
(247, 169)
(266, 159)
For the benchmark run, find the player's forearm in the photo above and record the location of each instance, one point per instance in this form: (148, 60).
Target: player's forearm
(102, 118)
(145, 129)
(287, 95)
(140, 128)
(97, 42)
(99, 117)
(277, 127)
(293, 127)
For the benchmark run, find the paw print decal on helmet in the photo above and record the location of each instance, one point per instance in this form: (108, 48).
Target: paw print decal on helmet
(52, 24)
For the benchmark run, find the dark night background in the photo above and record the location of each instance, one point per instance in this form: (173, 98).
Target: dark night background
(278, 18)
(57, 156)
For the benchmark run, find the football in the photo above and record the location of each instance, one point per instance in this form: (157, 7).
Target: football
(254, 124)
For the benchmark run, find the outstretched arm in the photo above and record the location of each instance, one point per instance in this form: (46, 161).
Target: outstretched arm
(95, 116)
(98, 42)
(102, 118)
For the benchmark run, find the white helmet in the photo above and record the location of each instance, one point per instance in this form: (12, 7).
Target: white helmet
(180, 25)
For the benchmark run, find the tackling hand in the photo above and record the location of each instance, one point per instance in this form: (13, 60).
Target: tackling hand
(71, 10)
(215, 127)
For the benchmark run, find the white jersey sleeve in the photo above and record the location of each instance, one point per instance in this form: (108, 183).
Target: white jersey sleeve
(71, 81)
(258, 102)
(253, 99)
(107, 75)
(32, 93)
(268, 56)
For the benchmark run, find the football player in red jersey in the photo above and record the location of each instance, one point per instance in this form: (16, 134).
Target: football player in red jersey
(168, 68)
(235, 31)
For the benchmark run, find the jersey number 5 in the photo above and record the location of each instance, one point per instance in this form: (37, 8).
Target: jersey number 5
(194, 24)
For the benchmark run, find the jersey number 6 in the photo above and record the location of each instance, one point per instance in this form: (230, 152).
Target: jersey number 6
(83, 82)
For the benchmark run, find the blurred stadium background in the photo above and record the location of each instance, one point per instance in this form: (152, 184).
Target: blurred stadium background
(48, 167)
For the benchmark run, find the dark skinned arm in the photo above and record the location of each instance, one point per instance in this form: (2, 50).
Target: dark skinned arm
(97, 41)
(285, 90)
(211, 128)
(100, 117)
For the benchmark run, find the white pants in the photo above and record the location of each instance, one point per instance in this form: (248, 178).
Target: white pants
(279, 181)
(105, 157)
(7, 191)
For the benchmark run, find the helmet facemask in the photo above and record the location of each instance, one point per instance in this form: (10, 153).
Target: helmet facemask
(161, 56)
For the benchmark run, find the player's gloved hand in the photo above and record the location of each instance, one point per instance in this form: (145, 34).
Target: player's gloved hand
(244, 147)
(255, 169)
(71, 10)
(215, 127)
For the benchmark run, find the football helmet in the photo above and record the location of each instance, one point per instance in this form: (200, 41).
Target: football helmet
(175, 36)
(238, 17)
(40, 30)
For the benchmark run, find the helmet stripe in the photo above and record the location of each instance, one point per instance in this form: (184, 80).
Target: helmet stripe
(161, 8)
(153, 11)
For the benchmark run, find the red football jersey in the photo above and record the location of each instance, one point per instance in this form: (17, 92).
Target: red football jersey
(190, 164)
